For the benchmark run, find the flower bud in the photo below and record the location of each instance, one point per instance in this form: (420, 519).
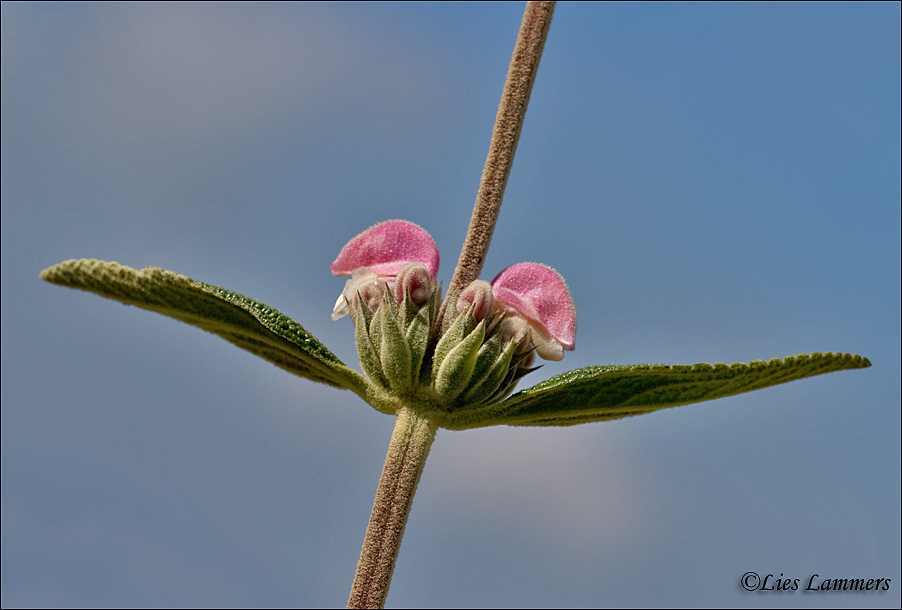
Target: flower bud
(478, 296)
(394, 351)
(479, 362)
(413, 281)
(454, 373)
(392, 339)
(493, 363)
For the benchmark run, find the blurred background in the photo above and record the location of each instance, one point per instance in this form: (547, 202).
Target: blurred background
(716, 182)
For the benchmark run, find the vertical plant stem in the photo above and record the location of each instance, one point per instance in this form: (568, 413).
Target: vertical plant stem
(407, 451)
(508, 123)
(413, 434)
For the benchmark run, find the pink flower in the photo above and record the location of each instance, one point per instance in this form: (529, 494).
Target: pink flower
(376, 258)
(539, 295)
(402, 256)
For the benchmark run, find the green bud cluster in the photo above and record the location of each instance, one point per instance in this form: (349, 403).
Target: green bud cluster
(392, 340)
(471, 364)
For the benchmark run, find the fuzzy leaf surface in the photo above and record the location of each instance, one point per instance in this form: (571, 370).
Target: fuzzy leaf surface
(602, 393)
(249, 324)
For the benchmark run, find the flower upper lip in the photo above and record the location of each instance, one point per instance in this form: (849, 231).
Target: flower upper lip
(386, 248)
(538, 293)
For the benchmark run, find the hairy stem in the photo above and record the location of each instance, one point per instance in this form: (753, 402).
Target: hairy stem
(407, 451)
(413, 434)
(508, 123)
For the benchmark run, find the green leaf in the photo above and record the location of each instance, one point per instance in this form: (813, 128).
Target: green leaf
(247, 323)
(602, 393)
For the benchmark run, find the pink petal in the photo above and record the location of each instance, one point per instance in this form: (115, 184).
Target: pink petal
(540, 294)
(386, 248)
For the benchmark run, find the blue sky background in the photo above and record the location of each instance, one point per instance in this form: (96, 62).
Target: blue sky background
(716, 182)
